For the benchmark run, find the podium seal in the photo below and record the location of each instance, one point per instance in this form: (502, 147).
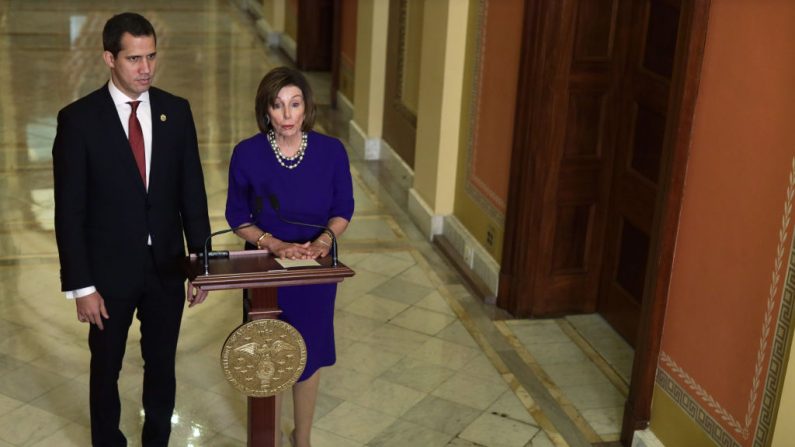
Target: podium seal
(262, 358)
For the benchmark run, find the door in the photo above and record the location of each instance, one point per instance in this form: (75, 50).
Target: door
(551, 222)
(590, 157)
(401, 87)
(641, 163)
(565, 134)
(582, 145)
(315, 35)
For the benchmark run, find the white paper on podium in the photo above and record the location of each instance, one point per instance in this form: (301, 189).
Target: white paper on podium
(287, 263)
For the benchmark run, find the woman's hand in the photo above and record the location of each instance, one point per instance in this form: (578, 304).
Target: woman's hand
(288, 250)
(319, 248)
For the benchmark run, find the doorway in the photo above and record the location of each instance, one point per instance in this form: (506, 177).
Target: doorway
(592, 156)
(401, 86)
(606, 94)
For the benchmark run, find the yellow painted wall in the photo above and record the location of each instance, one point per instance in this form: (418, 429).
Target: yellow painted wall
(672, 426)
(488, 119)
(784, 428)
(439, 108)
(273, 13)
(468, 212)
(371, 31)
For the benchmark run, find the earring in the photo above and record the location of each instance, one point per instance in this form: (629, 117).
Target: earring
(267, 120)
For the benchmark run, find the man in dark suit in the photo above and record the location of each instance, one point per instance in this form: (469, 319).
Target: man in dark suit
(128, 182)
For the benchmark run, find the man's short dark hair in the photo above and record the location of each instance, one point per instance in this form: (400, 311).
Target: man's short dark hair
(126, 22)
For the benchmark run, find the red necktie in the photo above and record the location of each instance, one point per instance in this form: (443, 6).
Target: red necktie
(137, 140)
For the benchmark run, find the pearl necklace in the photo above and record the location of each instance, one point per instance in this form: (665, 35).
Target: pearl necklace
(288, 162)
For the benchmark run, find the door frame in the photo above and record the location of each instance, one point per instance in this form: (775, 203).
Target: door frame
(684, 92)
(527, 176)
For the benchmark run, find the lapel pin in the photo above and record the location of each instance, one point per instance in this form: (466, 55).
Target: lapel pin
(163, 118)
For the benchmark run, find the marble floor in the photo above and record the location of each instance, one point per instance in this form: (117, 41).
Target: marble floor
(421, 360)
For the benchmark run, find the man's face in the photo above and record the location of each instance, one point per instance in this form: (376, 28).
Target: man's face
(133, 69)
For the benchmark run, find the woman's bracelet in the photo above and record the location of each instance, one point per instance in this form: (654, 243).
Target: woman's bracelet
(259, 240)
(323, 242)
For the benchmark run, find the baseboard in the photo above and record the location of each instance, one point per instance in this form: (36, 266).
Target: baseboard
(646, 438)
(255, 8)
(344, 106)
(265, 30)
(272, 38)
(429, 224)
(288, 45)
(398, 169)
(362, 147)
(250, 6)
(469, 258)
(475, 283)
(473, 256)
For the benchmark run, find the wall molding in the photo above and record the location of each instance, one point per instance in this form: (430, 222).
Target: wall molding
(778, 352)
(773, 368)
(475, 188)
(694, 410)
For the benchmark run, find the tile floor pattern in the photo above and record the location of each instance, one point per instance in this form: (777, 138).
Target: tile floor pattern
(420, 361)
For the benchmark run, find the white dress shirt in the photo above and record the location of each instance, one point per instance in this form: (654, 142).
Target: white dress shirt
(120, 100)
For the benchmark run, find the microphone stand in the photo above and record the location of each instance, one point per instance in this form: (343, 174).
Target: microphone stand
(225, 254)
(218, 254)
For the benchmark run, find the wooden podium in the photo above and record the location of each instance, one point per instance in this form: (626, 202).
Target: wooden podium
(258, 271)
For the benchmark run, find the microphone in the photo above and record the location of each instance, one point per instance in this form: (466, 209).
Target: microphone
(206, 255)
(275, 205)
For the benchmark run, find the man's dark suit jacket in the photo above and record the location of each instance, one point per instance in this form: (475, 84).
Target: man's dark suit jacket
(103, 213)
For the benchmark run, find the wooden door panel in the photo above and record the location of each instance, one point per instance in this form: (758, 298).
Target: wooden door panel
(662, 28)
(577, 51)
(315, 31)
(631, 200)
(585, 120)
(583, 144)
(595, 30)
(648, 133)
(579, 183)
(572, 239)
(620, 309)
(639, 163)
(633, 251)
(586, 67)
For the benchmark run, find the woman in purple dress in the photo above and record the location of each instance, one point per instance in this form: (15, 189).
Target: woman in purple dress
(309, 175)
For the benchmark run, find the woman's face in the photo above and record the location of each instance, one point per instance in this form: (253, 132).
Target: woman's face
(287, 111)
